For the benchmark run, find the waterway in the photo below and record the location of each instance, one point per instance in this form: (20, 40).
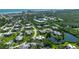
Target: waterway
(69, 37)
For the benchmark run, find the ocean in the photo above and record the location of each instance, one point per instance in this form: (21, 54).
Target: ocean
(9, 11)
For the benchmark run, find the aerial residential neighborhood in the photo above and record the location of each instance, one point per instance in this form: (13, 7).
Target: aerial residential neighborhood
(38, 30)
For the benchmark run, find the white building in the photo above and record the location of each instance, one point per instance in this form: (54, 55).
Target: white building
(1, 34)
(29, 32)
(6, 29)
(60, 19)
(28, 24)
(40, 19)
(69, 46)
(16, 26)
(8, 34)
(46, 25)
(25, 46)
(28, 27)
(51, 18)
(39, 37)
(54, 27)
(42, 31)
(15, 29)
(57, 32)
(18, 38)
(39, 26)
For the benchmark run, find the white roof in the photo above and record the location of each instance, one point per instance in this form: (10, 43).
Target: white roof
(51, 18)
(28, 24)
(57, 32)
(16, 25)
(60, 19)
(6, 28)
(46, 25)
(1, 34)
(19, 37)
(28, 31)
(40, 19)
(54, 27)
(32, 43)
(42, 31)
(40, 37)
(70, 46)
(8, 33)
(25, 46)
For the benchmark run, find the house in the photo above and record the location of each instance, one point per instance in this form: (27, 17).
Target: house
(54, 27)
(9, 25)
(28, 27)
(32, 43)
(18, 38)
(39, 37)
(40, 20)
(48, 30)
(29, 32)
(1, 34)
(51, 18)
(25, 46)
(60, 19)
(46, 25)
(15, 29)
(28, 24)
(57, 33)
(69, 46)
(6, 29)
(21, 34)
(16, 26)
(8, 34)
(42, 31)
(39, 26)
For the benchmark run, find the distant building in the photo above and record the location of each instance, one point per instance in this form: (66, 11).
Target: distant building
(42, 31)
(8, 34)
(29, 32)
(40, 19)
(1, 34)
(24, 46)
(6, 29)
(60, 19)
(51, 18)
(57, 33)
(39, 37)
(19, 37)
(28, 27)
(69, 46)
(28, 24)
(15, 29)
(16, 26)
(54, 27)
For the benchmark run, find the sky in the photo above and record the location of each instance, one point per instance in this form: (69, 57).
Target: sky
(39, 4)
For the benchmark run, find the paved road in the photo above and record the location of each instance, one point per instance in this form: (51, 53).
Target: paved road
(35, 32)
(3, 26)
